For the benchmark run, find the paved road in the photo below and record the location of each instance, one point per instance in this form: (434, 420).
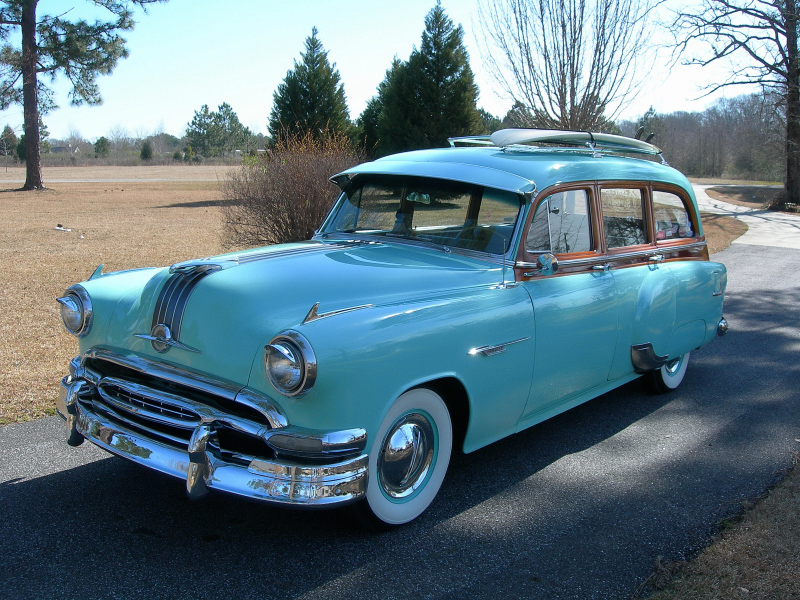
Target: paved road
(765, 227)
(577, 507)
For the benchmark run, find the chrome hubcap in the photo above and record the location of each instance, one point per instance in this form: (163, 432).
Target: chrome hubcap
(673, 366)
(406, 455)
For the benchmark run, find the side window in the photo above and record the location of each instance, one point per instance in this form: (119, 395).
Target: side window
(672, 219)
(623, 217)
(561, 224)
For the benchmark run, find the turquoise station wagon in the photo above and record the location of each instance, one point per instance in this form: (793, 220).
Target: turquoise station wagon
(451, 298)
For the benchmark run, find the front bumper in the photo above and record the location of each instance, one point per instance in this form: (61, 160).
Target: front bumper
(333, 470)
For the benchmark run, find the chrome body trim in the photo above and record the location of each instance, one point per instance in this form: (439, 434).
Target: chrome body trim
(314, 314)
(226, 262)
(161, 338)
(645, 359)
(165, 328)
(317, 444)
(496, 349)
(601, 259)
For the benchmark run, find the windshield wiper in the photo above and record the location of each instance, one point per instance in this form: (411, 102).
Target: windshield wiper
(414, 238)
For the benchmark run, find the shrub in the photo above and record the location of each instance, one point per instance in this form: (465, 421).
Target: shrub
(147, 151)
(284, 195)
(102, 147)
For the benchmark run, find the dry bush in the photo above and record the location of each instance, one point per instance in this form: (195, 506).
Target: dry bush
(284, 195)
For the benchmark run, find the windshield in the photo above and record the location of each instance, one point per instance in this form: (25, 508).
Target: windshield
(447, 213)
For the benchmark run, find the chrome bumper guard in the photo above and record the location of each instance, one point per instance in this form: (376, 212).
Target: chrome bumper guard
(722, 326)
(323, 468)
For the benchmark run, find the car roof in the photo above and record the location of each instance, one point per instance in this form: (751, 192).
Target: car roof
(525, 170)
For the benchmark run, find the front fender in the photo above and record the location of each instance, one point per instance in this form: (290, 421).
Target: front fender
(368, 357)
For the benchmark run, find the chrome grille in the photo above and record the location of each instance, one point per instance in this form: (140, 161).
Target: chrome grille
(164, 402)
(145, 403)
(135, 399)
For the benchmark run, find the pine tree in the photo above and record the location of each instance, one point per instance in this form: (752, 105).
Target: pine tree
(433, 96)
(102, 147)
(311, 98)
(8, 141)
(214, 133)
(51, 45)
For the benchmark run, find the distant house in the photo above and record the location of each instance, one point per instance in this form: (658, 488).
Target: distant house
(68, 149)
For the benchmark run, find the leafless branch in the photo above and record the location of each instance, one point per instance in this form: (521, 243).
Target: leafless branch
(573, 64)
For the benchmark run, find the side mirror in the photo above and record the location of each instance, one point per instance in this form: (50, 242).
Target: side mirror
(547, 263)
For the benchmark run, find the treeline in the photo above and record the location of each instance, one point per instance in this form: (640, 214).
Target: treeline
(738, 138)
(420, 103)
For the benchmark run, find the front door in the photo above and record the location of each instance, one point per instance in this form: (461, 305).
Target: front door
(575, 310)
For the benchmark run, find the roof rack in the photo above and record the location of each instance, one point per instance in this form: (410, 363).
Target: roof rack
(607, 142)
(470, 140)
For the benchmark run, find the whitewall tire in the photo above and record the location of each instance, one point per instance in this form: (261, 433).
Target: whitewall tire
(671, 375)
(409, 457)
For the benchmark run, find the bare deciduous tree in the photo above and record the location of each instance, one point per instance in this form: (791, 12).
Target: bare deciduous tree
(573, 64)
(759, 39)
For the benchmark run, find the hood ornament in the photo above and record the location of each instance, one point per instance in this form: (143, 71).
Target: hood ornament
(161, 339)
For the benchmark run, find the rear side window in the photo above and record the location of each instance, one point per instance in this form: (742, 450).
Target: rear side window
(561, 224)
(623, 217)
(671, 217)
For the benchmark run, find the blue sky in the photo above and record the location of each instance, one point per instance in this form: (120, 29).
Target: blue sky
(187, 53)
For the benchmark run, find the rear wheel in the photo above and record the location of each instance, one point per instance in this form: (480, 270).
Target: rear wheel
(408, 458)
(669, 376)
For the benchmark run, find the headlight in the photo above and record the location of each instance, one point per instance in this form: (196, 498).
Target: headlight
(76, 310)
(290, 364)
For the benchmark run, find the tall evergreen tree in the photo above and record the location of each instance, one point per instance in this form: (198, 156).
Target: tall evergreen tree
(433, 96)
(8, 141)
(367, 125)
(214, 133)
(51, 45)
(311, 98)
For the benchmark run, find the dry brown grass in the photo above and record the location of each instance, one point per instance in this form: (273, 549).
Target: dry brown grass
(122, 225)
(720, 231)
(757, 557)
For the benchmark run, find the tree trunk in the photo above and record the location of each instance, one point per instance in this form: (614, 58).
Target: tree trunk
(792, 105)
(30, 101)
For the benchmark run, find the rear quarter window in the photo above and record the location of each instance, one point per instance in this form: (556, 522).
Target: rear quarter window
(671, 216)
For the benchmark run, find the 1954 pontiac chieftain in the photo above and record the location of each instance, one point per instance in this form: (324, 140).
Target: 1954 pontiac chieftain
(452, 297)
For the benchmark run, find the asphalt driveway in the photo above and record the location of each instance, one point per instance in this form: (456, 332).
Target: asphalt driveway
(577, 507)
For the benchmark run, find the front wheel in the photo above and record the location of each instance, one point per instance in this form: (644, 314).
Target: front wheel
(669, 376)
(408, 458)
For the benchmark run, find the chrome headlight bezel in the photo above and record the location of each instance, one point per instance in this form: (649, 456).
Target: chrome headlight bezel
(76, 311)
(289, 347)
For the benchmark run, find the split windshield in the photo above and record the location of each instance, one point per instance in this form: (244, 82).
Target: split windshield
(446, 213)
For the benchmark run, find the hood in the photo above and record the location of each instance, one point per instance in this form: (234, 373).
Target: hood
(222, 311)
